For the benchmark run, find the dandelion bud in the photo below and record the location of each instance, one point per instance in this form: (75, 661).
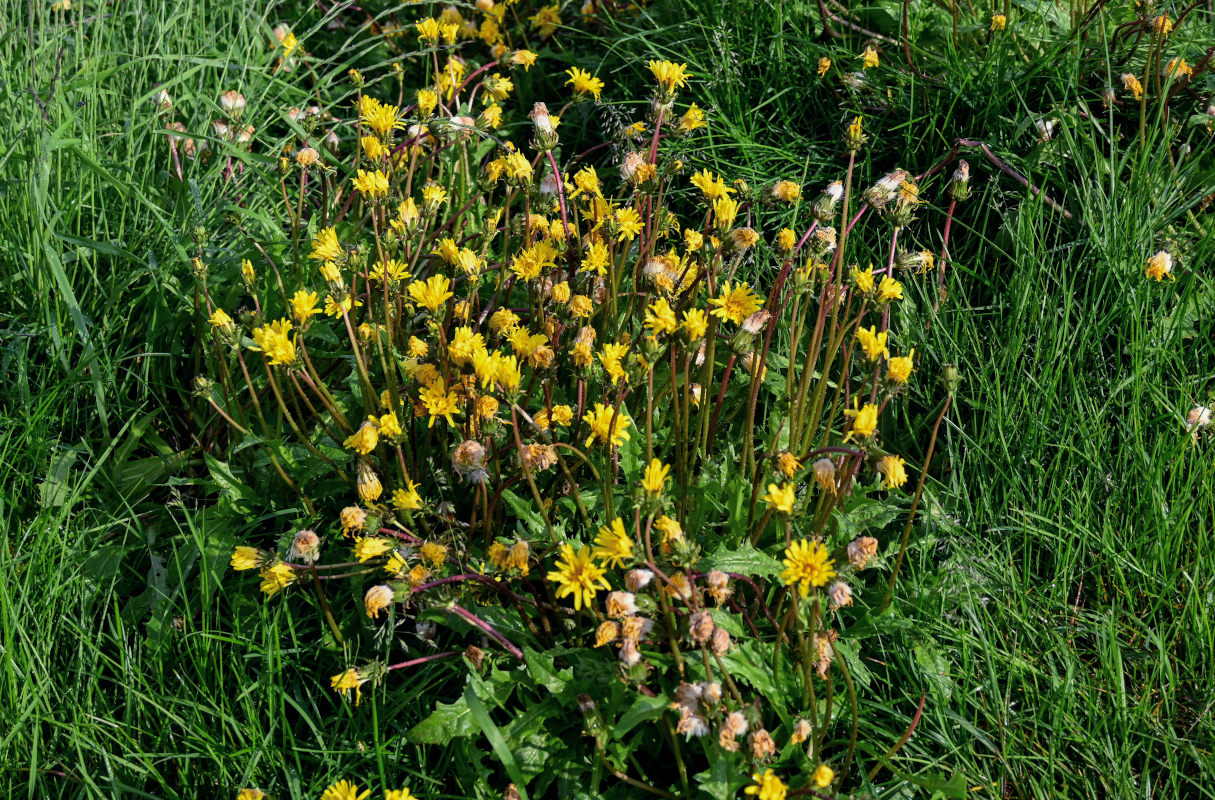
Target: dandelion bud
(959, 184)
(377, 599)
(203, 387)
(468, 459)
(762, 746)
(861, 549)
(719, 644)
(369, 484)
(950, 377)
(840, 595)
(356, 78)
(801, 732)
(854, 137)
(305, 547)
(701, 626)
(637, 579)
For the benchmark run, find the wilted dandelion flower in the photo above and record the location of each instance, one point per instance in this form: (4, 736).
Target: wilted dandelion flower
(578, 575)
(621, 605)
(606, 633)
(998, 23)
(839, 594)
(1160, 266)
(824, 474)
(305, 547)
(807, 565)
(352, 518)
(801, 731)
(343, 683)
(377, 599)
(861, 549)
(787, 191)
(1131, 84)
(869, 58)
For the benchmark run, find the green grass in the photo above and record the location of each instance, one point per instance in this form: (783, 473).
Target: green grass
(1056, 610)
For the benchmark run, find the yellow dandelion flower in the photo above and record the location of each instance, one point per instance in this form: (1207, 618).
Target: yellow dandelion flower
(735, 303)
(781, 497)
(655, 478)
(583, 83)
(669, 75)
(606, 425)
(807, 564)
(578, 575)
(894, 471)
